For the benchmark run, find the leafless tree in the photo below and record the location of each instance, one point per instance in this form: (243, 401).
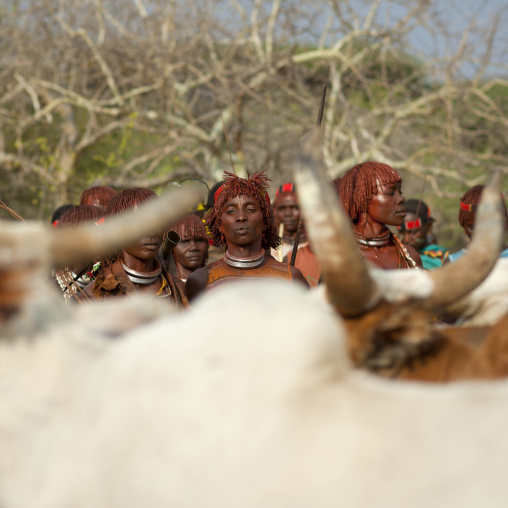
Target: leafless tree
(141, 92)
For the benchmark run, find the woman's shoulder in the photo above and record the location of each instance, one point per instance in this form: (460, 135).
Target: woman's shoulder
(292, 272)
(179, 283)
(275, 263)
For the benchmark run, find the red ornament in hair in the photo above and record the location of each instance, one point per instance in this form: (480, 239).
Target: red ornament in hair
(286, 187)
(468, 207)
(413, 224)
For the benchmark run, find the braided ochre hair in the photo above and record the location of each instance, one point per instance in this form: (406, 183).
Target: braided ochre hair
(256, 186)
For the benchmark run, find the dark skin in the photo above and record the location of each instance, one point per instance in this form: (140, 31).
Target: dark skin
(242, 226)
(386, 208)
(190, 254)
(287, 212)
(416, 237)
(141, 258)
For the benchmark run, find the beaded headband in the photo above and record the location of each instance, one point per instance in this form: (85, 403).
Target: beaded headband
(413, 224)
(286, 187)
(468, 207)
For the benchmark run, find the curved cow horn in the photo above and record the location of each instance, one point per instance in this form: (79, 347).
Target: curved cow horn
(80, 244)
(349, 286)
(457, 279)
(27, 250)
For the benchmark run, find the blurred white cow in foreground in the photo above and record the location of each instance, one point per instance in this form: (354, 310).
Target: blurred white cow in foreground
(249, 399)
(189, 411)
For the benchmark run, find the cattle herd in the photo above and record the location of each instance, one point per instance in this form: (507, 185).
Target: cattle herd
(265, 395)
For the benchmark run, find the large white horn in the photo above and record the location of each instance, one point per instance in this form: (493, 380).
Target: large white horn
(349, 286)
(68, 246)
(31, 244)
(28, 250)
(455, 280)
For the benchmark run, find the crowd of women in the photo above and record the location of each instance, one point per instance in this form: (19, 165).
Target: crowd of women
(241, 235)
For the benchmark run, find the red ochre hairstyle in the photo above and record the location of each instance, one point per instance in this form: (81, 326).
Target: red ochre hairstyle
(358, 185)
(102, 194)
(469, 202)
(190, 226)
(81, 214)
(127, 199)
(256, 186)
(122, 202)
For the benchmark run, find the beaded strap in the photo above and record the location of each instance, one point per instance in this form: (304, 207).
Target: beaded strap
(402, 249)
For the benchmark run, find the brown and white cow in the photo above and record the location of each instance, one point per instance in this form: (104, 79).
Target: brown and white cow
(389, 315)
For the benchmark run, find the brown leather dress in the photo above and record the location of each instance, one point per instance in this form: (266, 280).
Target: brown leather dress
(112, 281)
(221, 273)
(306, 261)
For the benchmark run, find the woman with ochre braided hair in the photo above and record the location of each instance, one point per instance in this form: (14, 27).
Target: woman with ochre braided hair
(135, 268)
(99, 195)
(467, 213)
(73, 279)
(286, 212)
(192, 251)
(241, 223)
(371, 195)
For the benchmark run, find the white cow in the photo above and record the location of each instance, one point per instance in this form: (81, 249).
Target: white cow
(188, 411)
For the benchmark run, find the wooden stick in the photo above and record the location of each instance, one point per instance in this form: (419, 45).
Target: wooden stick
(11, 211)
(281, 233)
(297, 241)
(321, 106)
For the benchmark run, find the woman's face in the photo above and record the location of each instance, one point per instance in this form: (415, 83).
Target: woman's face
(146, 249)
(287, 212)
(242, 221)
(417, 236)
(387, 206)
(191, 252)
